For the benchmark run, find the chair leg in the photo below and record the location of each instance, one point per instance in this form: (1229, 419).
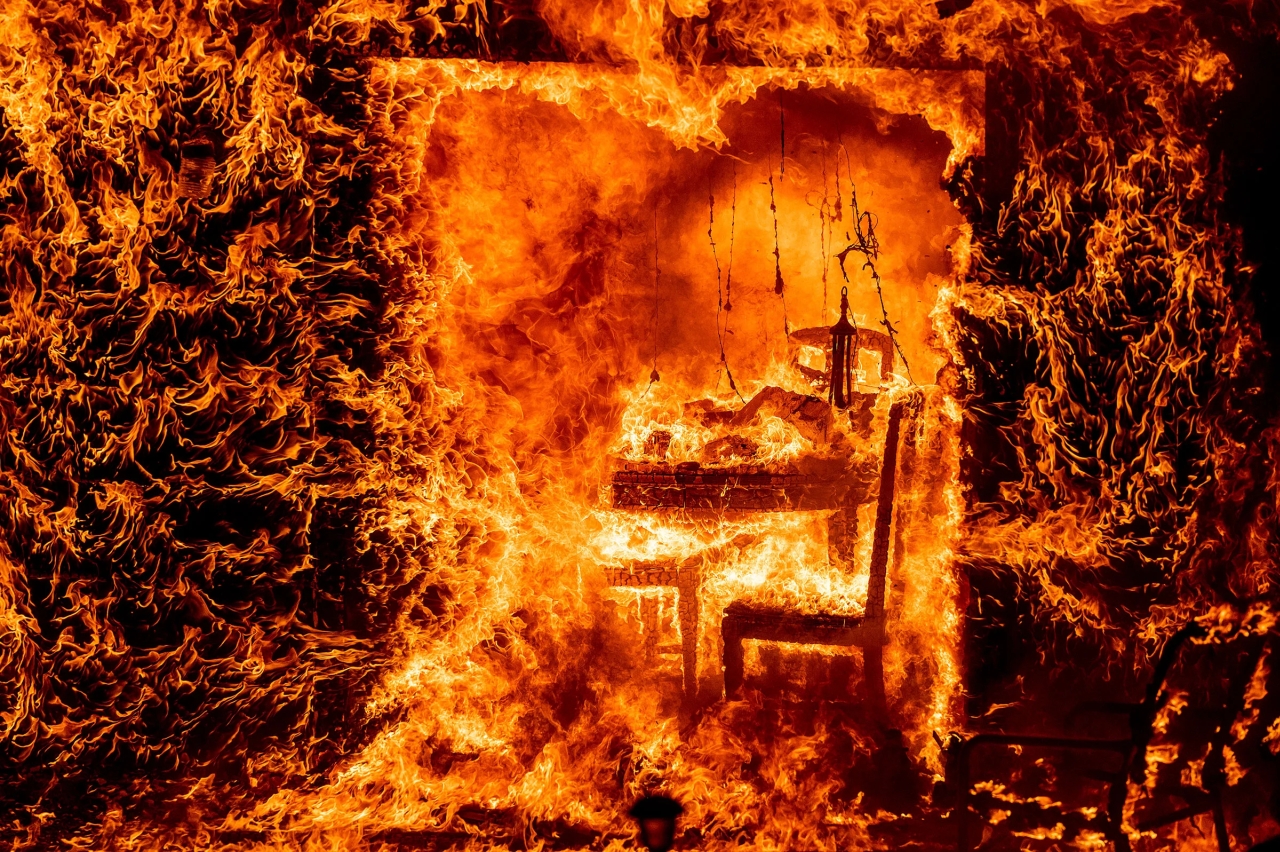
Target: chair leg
(873, 680)
(958, 776)
(651, 626)
(1220, 822)
(733, 662)
(842, 537)
(1117, 798)
(688, 610)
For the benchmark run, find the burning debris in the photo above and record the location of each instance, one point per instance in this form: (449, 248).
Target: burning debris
(436, 427)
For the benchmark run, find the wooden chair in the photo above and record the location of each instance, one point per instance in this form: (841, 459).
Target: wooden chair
(685, 579)
(744, 621)
(693, 489)
(1130, 749)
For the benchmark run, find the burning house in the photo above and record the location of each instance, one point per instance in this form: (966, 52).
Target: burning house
(442, 426)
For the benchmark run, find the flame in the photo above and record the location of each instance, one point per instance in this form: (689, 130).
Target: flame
(325, 329)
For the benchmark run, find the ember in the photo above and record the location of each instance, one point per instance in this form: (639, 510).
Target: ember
(841, 426)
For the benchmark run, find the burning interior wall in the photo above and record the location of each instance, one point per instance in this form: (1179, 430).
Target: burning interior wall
(601, 305)
(317, 355)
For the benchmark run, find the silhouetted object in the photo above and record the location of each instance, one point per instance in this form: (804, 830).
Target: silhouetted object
(198, 169)
(844, 354)
(1132, 751)
(819, 337)
(947, 8)
(896, 785)
(944, 796)
(745, 620)
(1272, 845)
(656, 817)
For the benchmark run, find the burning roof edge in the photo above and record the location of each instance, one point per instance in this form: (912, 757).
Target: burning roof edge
(687, 106)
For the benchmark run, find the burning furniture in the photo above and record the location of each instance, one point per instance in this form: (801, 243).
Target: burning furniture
(589, 359)
(1217, 714)
(745, 621)
(689, 487)
(684, 578)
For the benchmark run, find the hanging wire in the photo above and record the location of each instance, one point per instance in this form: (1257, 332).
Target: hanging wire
(657, 276)
(782, 133)
(839, 214)
(824, 232)
(720, 301)
(733, 221)
(828, 209)
(779, 285)
(777, 254)
(865, 242)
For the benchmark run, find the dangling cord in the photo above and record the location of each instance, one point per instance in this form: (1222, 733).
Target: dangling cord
(779, 286)
(867, 244)
(839, 214)
(824, 244)
(848, 171)
(733, 223)
(720, 301)
(777, 255)
(836, 216)
(782, 134)
(657, 276)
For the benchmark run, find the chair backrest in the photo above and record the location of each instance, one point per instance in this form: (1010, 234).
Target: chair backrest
(876, 586)
(1197, 729)
(1221, 682)
(1211, 677)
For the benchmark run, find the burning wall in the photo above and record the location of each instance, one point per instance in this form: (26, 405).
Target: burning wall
(554, 318)
(259, 523)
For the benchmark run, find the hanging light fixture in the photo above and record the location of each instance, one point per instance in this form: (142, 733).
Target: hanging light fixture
(844, 352)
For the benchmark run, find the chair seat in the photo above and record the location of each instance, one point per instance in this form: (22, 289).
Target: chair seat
(745, 620)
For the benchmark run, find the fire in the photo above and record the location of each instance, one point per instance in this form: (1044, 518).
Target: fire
(552, 303)
(399, 401)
